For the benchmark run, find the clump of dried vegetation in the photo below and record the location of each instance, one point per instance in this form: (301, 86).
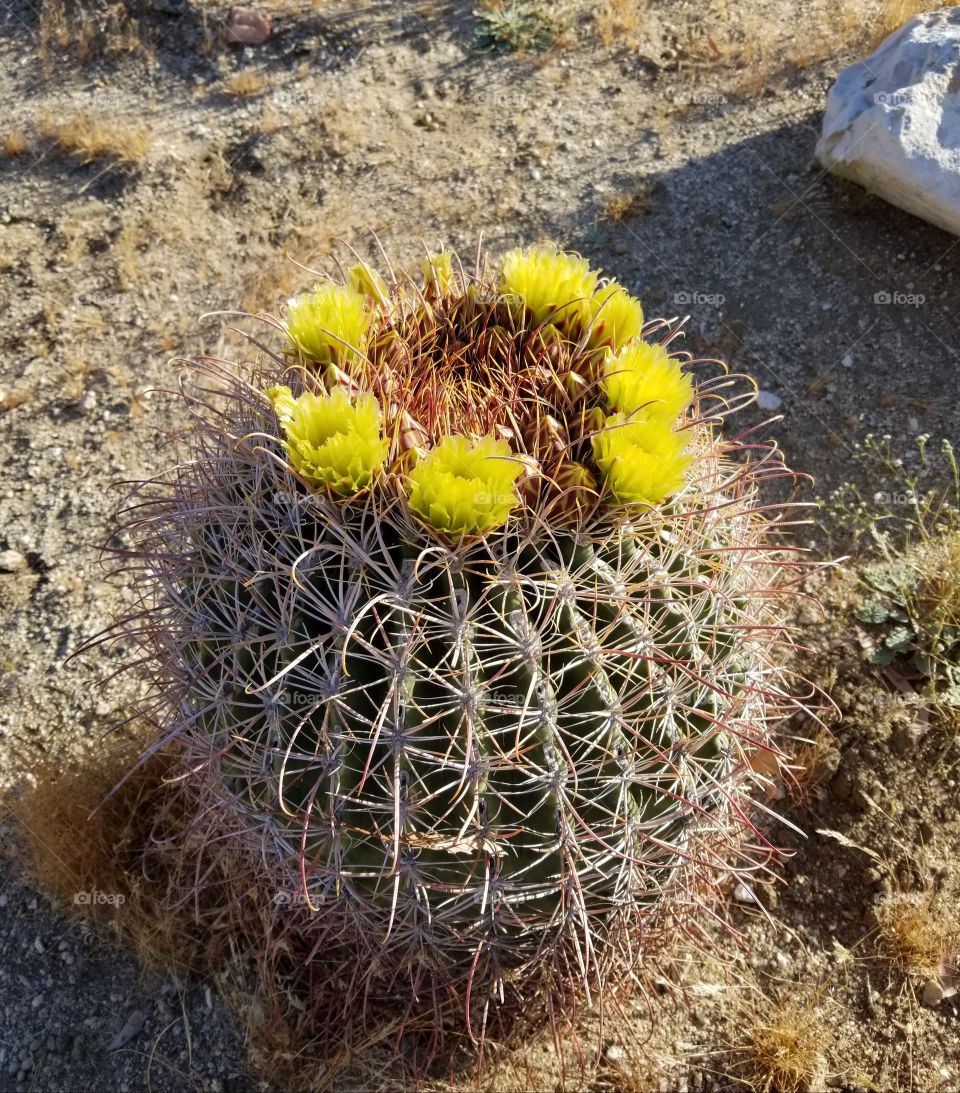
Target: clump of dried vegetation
(82, 29)
(784, 1047)
(14, 143)
(88, 138)
(738, 50)
(245, 84)
(918, 935)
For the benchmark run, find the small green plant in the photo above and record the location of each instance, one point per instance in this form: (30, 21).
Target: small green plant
(897, 500)
(908, 532)
(517, 26)
(468, 628)
(912, 607)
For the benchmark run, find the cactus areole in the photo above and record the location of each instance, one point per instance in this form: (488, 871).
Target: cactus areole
(468, 619)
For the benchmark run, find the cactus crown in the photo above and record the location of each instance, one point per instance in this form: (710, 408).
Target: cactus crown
(544, 368)
(469, 624)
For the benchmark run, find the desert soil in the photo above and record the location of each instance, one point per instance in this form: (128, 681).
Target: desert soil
(675, 150)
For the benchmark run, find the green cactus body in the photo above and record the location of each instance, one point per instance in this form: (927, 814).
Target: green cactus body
(467, 744)
(504, 698)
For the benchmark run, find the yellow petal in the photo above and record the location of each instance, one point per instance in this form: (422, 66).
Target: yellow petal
(641, 461)
(644, 378)
(465, 487)
(330, 323)
(616, 317)
(334, 441)
(548, 284)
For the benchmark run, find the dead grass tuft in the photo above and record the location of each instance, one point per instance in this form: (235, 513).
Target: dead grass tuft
(79, 844)
(784, 1050)
(938, 587)
(245, 84)
(12, 399)
(90, 139)
(632, 203)
(622, 22)
(14, 144)
(915, 935)
(86, 28)
(894, 13)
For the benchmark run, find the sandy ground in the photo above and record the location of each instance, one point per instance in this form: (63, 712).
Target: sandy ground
(149, 174)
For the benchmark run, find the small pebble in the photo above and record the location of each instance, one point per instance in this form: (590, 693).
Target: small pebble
(767, 400)
(247, 27)
(12, 561)
(743, 893)
(932, 993)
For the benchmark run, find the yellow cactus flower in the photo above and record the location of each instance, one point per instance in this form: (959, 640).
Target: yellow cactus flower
(465, 487)
(334, 441)
(616, 317)
(330, 323)
(367, 282)
(549, 284)
(641, 461)
(644, 380)
(437, 270)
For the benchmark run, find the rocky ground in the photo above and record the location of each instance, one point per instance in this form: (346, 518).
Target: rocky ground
(151, 174)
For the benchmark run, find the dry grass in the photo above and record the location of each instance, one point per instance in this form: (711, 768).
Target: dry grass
(631, 203)
(12, 399)
(85, 28)
(623, 22)
(14, 144)
(90, 139)
(740, 52)
(245, 84)
(79, 844)
(784, 1048)
(915, 935)
(894, 13)
(938, 587)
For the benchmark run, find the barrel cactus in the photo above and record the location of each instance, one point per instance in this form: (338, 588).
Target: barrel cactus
(469, 622)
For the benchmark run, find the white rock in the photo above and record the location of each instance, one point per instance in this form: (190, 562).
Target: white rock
(767, 400)
(12, 561)
(743, 893)
(892, 122)
(932, 994)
